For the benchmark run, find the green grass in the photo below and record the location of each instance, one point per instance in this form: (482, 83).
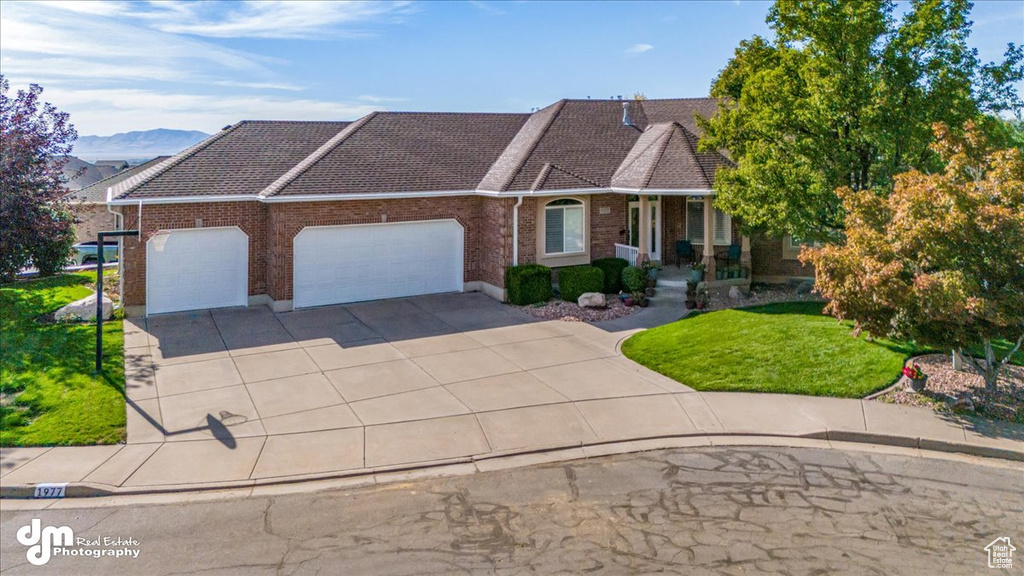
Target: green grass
(50, 392)
(789, 348)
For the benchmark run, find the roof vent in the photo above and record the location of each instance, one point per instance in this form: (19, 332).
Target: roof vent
(626, 119)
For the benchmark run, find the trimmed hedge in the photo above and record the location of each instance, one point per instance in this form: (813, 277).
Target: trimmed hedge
(576, 280)
(612, 268)
(634, 279)
(528, 284)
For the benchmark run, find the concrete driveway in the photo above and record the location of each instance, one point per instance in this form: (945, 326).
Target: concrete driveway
(249, 393)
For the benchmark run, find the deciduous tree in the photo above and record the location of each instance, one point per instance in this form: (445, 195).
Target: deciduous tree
(941, 259)
(34, 218)
(845, 94)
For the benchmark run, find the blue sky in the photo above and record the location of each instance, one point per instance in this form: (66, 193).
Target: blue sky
(120, 66)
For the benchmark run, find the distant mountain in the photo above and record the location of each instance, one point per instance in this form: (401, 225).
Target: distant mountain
(136, 145)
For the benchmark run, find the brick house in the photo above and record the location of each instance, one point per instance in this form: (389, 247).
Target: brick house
(89, 204)
(302, 214)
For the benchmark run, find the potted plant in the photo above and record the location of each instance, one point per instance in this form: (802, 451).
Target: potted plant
(702, 299)
(916, 378)
(697, 272)
(640, 299)
(627, 300)
(690, 304)
(651, 267)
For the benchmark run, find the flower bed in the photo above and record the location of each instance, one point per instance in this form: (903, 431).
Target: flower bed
(946, 386)
(572, 312)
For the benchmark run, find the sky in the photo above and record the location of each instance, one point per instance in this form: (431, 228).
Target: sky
(122, 66)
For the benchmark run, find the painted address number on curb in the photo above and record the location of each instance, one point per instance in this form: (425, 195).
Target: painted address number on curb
(50, 490)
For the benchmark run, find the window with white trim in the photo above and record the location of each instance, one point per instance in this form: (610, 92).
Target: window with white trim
(695, 224)
(564, 226)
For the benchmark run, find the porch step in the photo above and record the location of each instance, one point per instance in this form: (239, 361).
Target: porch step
(672, 283)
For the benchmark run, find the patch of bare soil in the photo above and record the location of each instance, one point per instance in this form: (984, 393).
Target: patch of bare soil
(963, 391)
(572, 312)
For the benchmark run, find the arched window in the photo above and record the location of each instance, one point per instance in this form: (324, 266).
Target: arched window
(564, 227)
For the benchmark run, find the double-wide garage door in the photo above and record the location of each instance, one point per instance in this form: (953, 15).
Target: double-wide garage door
(197, 268)
(341, 264)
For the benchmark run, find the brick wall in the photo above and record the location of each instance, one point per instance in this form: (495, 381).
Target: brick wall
(91, 219)
(249, 216)
(496, 239)
(766, 259)
(285, 221)
(607, 229)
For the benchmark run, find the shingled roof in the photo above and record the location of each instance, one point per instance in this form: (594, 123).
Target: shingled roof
(589, 140)
(392, 152)
(97, 191)
(570, 145)
(239, 160)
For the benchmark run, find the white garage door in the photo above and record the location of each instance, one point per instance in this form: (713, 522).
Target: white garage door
(196, 269)
(340, 264)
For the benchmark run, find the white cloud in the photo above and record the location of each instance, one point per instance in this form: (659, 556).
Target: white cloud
(639, 48)
(123, 110)
(269, 19)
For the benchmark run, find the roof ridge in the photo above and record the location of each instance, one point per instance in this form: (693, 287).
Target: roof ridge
(573, 174)
(133, 182)
(560, 105)
(163, 157)
(666, 137)
(542, 177)
(317, 155)
(639, 153)
(693, 150)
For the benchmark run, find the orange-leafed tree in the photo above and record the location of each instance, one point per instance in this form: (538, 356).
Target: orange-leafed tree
(940, 260)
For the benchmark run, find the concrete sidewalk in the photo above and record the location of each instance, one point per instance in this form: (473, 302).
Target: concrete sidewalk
(643, 422)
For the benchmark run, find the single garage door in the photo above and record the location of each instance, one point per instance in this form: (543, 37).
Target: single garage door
(196, 269)
(340, 264)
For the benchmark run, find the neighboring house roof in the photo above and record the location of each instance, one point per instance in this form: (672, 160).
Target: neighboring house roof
(80, 173)
(571, 145)
(393, 152)
(97, 192)
(239, 160)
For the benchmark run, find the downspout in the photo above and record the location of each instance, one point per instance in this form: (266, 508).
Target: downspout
(515, 230)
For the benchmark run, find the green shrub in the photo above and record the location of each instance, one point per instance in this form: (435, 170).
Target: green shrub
(576, 280)
(528, 284)
(612, 268)
(634, 279)
(52, 249)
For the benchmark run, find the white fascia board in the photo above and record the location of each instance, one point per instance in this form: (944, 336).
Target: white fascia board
(665, 191)
(183, 200)
(370, 196)
(562, 192)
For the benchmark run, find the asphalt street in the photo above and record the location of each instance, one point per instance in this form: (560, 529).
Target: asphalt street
(688, 511)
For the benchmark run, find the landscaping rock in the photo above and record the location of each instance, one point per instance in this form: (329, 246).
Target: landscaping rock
(805, 287)
(964, 403)
(592, 300)
(738, 293)
(85, 309)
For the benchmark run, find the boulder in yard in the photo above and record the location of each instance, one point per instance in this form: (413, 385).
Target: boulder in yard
(85, 309)
(737, 293)
(592, 300)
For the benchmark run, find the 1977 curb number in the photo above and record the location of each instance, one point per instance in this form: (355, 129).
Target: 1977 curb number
(50, 490)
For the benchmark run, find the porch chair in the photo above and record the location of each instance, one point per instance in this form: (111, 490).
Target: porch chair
(684, 252)
(730, 256)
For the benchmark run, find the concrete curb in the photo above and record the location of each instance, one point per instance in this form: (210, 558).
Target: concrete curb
(535, 456)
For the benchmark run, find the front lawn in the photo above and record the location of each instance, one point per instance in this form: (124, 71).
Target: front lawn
(789, 348)
(49, 393)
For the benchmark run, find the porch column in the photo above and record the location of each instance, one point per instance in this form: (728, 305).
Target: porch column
(709, 238)
(745, 253)
(645, 229)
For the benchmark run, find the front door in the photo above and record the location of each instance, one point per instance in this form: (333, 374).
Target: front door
(654, 234)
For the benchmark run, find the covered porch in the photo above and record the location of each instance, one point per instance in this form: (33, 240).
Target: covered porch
(684, 230)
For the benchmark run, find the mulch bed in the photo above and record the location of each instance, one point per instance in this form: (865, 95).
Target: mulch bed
(759, 294)
(945, 386)
(572, 312)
